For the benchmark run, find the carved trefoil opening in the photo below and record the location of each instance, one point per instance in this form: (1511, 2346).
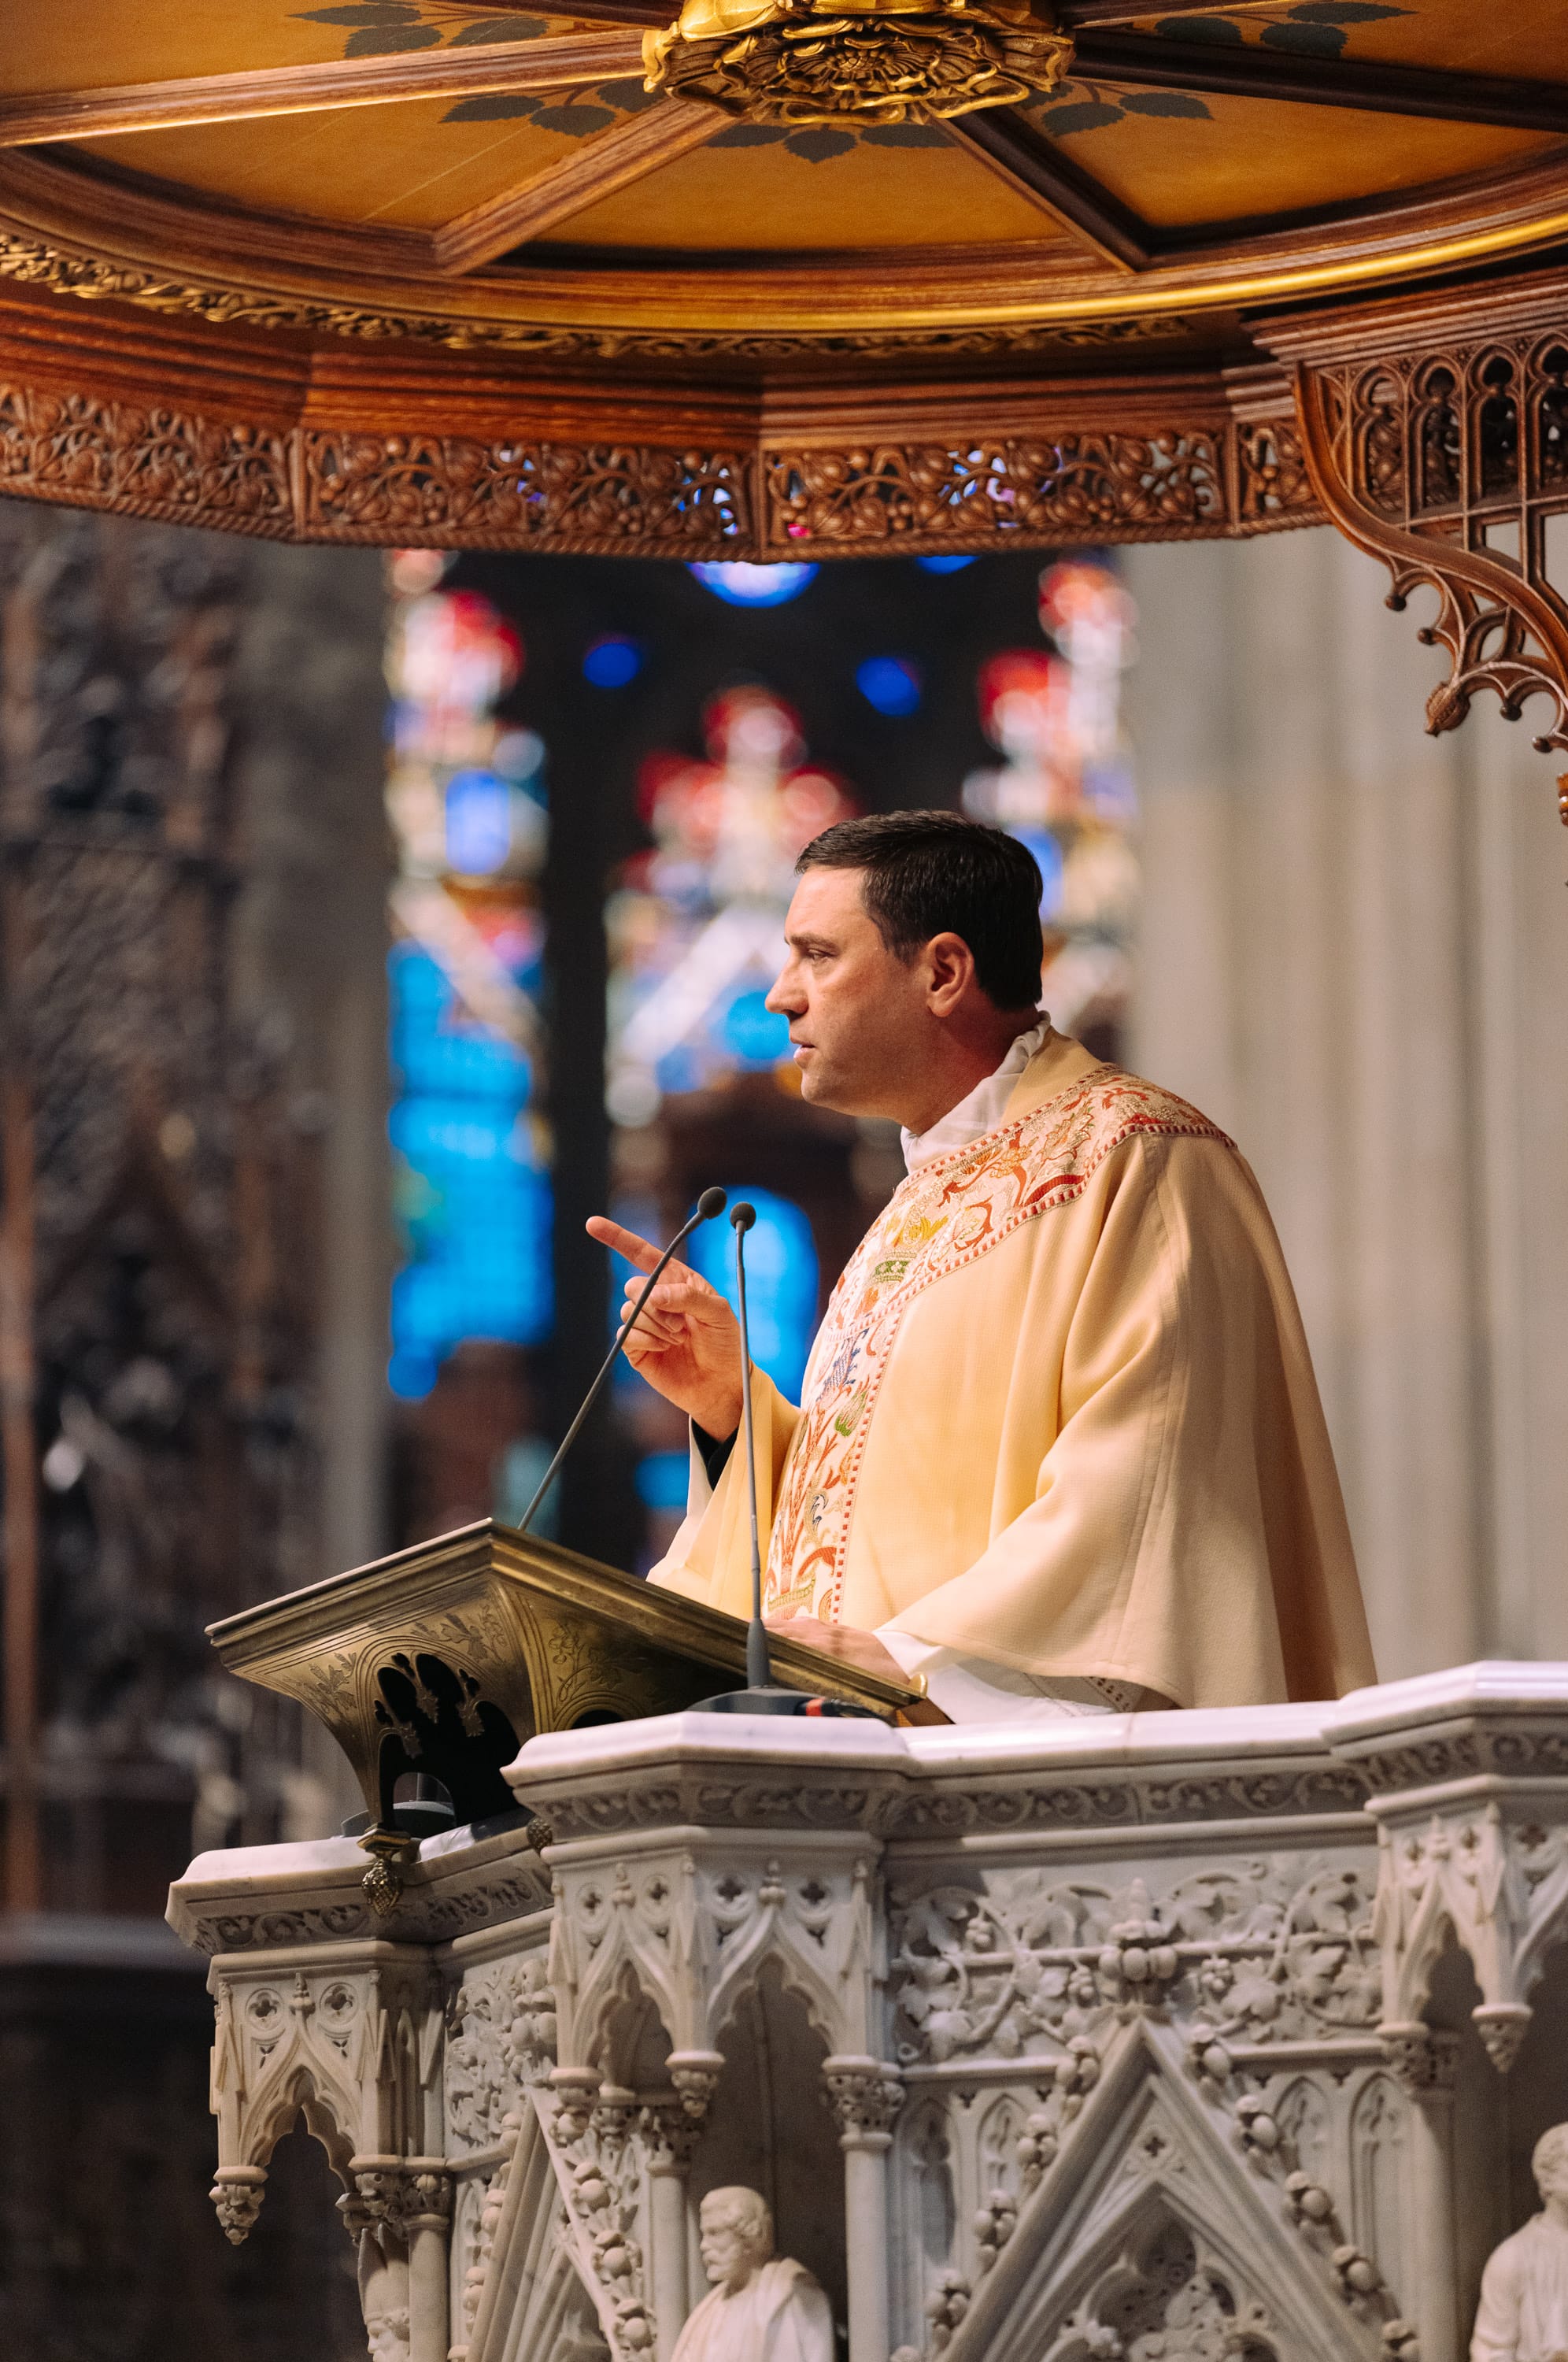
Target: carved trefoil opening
(1452, 467)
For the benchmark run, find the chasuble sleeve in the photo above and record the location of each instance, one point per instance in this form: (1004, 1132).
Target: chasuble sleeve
(709, 1558)
(1186, 1531)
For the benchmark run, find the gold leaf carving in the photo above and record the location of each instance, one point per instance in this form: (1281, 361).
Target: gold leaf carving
(33, 264)
(814, 61)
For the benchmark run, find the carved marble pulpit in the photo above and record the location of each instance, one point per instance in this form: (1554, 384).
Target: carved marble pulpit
(1215, 2035)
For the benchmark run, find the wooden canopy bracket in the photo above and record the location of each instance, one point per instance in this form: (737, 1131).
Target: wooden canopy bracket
(1443, 450)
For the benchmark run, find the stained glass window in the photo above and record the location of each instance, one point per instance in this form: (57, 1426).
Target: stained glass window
(781, 1282)
(1063, 786)
(470, 816)
(696, 925)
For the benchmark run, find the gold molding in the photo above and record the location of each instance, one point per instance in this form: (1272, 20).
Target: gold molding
(274, 271)
(60, 271)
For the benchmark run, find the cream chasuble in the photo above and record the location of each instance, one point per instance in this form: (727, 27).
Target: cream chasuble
(1060, 1415)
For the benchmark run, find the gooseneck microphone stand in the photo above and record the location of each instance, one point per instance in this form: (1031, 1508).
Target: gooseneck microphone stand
(759, 1671)
(761, 1695)
(710, 1203)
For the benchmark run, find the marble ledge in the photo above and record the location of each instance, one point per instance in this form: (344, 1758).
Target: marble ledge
(272, 1897)
(1318, 1764)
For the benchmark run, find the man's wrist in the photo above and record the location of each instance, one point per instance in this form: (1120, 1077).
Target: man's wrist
(719, 1421)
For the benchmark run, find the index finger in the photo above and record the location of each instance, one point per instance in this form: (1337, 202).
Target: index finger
(623, 1242)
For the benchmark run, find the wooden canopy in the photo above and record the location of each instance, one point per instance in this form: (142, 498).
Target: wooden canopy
(402, 271)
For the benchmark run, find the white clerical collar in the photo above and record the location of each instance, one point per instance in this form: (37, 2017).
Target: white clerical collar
(980, 1111)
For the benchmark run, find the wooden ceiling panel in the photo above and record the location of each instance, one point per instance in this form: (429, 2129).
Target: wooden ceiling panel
(1230, 159)
(1527, 38)
(63, 45)
(420, 169)
(814, 191)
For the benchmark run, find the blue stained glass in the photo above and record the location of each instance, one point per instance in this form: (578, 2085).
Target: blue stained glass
(781, 1280)
(430, 1053)
(662, 1479)
(741, 584)
(755, 1034)
(945, 565)
(892, 684)
(613, 662)
(479, 822)
(474, 1201)
(1048, 856)
(679, 1070)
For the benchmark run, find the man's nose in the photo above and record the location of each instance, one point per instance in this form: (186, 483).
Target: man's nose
(785, 996)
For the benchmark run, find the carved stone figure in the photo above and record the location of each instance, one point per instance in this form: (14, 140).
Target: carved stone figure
(384, 2299)
(762, 2307)
(1523, 2312)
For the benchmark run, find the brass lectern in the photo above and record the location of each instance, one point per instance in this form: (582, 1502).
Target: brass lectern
(440, 1660)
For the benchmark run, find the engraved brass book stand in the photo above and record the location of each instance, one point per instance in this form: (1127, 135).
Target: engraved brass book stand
(440, 1660)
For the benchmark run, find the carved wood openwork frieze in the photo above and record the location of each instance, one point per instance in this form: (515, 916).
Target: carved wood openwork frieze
(523, 495)
(1182, 484)
(1218, 478)
(144, 462)
(1445, 454)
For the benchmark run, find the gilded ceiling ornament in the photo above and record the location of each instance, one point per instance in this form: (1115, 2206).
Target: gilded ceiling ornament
(871, 61)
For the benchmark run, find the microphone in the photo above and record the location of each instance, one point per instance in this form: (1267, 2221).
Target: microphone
(759, 1671)
(710, 1203)
(761, 1695)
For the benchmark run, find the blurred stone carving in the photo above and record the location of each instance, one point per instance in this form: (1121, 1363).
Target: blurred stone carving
(761, 2307)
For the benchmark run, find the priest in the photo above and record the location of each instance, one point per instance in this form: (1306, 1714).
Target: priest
(1060, 1449)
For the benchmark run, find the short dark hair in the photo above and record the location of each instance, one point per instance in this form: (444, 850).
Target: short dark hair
(934, 873)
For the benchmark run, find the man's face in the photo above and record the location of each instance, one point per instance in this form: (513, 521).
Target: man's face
(728, 2253)
(858, 1016)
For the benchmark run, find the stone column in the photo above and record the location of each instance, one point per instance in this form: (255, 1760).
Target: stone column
(1353, 955)
(1423, 2059)
(427, 2214)
(866, 2096)
(400, 2209)
(672, 2126)
(695, 2075)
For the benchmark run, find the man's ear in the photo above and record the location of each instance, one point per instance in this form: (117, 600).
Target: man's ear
(950, 970)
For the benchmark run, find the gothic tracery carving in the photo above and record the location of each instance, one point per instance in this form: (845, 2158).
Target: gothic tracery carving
(692, 1935)
(1133, 2099)
(1162, 2299)
(1500, 1887)
(1452, 467)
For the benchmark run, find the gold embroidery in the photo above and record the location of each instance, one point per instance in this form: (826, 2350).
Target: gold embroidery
(942, 1218)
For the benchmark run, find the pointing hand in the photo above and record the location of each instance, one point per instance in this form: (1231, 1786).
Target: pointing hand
(687, 1342)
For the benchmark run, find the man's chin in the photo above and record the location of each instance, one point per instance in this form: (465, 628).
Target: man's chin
(820, 1088)
(835, 1095)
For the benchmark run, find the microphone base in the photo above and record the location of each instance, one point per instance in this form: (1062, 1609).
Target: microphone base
(773, 1700)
